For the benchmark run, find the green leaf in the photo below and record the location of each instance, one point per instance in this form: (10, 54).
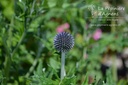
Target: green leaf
(100, 82)
(54, 64)
(52, 3)
(39, 68)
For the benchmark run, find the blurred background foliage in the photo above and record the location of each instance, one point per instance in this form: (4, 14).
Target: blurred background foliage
(27, 53)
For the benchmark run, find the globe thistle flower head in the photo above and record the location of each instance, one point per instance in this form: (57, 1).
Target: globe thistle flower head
(63, 42)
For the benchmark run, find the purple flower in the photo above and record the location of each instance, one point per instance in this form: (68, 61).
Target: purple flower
(63, 42)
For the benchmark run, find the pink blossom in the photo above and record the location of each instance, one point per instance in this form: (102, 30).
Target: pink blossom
(97, 34)
(59, 29)
(62, 27)
(65, 26)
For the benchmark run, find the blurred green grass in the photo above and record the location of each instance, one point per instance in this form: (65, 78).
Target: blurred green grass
(27, 53)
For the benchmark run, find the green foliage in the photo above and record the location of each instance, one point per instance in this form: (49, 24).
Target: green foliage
(27, 54)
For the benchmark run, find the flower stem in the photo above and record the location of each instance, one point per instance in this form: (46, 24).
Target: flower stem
(63, 73)
(7, 69)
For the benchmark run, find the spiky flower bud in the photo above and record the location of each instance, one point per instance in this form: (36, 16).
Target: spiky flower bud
(63, 42)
